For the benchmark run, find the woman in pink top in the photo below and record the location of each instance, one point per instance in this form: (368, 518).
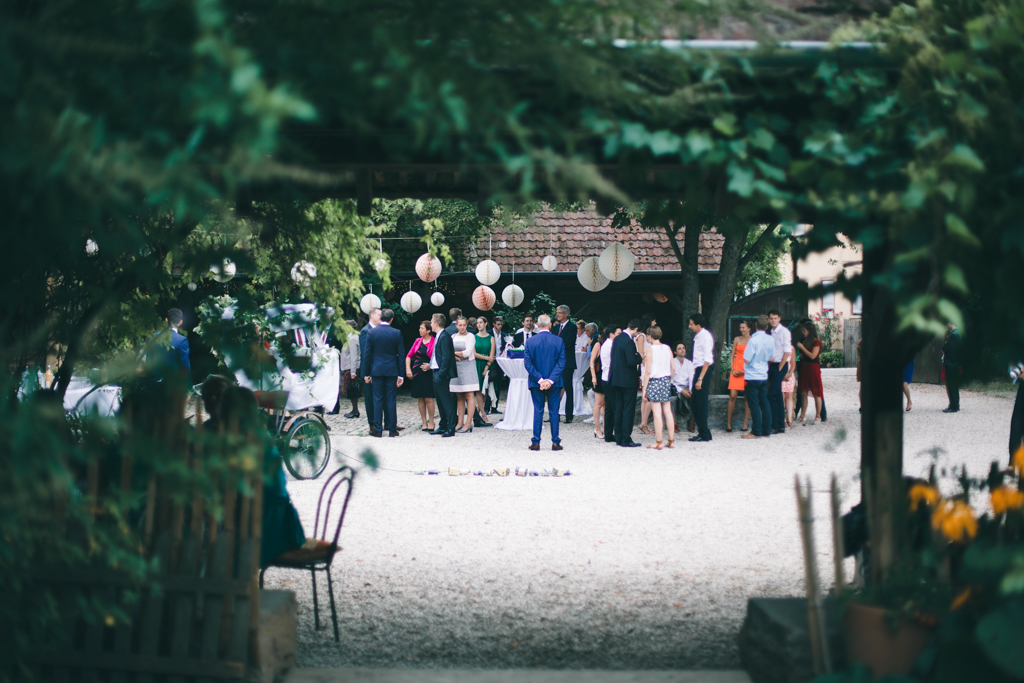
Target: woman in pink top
(417, 369)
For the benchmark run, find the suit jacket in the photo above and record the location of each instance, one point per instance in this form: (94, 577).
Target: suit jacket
(568, 335)
(453, 329)
(518, 339)
(545, 359)
(626, 360)
(176, 350)
(951, 349)
(385, 352)
(444, 354)
(364, 335)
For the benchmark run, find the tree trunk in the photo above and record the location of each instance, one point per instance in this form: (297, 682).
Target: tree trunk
(691, 280)
(725, 286)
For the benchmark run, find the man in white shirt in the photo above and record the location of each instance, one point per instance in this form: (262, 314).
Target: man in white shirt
(703, 359)
(609, 396)
(682, 380)
(780, 369)
(755, 371)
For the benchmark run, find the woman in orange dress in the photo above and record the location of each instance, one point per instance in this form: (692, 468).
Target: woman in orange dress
(736, 381)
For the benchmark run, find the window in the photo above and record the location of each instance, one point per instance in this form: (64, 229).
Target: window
(858, 306)
(828, 300)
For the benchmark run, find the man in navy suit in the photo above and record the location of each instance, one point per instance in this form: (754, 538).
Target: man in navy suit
(624, 379)
(442, 363)
(364, 370)
(545, 362)
(176, 353)
(385, 360)
(565, 329)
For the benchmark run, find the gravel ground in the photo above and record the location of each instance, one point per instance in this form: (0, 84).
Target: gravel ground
(638, 560)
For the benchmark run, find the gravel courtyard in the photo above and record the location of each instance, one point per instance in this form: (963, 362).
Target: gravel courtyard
(639, 560)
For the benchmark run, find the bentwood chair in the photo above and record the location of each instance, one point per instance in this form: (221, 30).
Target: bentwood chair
(320, 558)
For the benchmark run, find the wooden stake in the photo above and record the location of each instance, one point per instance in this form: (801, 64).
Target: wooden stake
(815, 606)
(838, 548)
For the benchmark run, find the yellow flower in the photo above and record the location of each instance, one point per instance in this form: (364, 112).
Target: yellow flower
(1004, 499)
(956, 520)
(922, 492)
(1018, 460)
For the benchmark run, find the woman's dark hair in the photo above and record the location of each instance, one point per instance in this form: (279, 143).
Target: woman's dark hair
(212, 392)
(744, 321)
(426, 324)
(608, 331)
(698, 319)
(645, 322)
(812, 331)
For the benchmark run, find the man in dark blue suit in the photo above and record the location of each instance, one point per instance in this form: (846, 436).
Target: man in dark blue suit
(624, 379)
(442, 363)
(385, 360)
(364, 370)
(545, 362)
(176, 353)
(566, 330)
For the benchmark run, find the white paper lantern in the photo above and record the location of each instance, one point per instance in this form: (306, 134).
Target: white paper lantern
(488, 272)
(483, 298)
(428, 268)
(437, 298)
(224, 271)
(590, 275)
(380, 264)
(512, 295)
(303, 272)
(616, 263)
(91, 247)
(411, 302)
(369, 302)
(549, 263)
(191, 286)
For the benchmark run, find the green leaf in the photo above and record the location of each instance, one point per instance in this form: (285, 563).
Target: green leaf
(955, 278)
(771, 172)
(1000, 634)
(763, 138)
(958, 230)
(950, 311)
(725, 124)
(741, 180)
(698, 142)
(965, 157)
(369, 458)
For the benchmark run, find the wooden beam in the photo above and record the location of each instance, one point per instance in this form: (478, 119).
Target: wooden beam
(364, 192)
(676, 301)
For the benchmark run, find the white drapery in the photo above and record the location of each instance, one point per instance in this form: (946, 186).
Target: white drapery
(518, 412)
(579, 403)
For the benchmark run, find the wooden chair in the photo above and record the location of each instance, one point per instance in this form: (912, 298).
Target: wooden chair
(321, 558)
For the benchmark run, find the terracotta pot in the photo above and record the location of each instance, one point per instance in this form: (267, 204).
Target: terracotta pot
(871, 641)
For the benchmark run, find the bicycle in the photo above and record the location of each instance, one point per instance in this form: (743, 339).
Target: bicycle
(302, 436)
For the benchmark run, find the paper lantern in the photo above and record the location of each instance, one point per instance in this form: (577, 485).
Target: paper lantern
(660, 298)
(411, 302)
(483, 298)
(590, 275)
(437, 298)
(616, 263)
(549, 262)
(192, 286)
(428, 268)
(488, 272)
(380, 264)
(303, 272)
(91, 247)
(369, 302)
(512, 295)
(224, 271)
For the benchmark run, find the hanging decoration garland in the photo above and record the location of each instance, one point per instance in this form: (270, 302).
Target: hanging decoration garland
(513, 294)
(428, 267)
(483, 298)
(616, 262)
(590, 275)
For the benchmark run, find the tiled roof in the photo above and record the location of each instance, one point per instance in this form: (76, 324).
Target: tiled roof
(572, 237)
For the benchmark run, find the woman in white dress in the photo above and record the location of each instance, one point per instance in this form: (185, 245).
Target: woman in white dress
(465, 385)
(643, 342)
(657, 383)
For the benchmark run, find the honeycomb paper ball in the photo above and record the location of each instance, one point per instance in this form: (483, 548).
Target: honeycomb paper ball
(369, 302)
(437, 298)
(411, 302)
(512, 295)
(483, 298)
(224, 271)
(616, 262)
(488, 272)
(549, 262)
(660, 298)
(428, 267)
(590, 275)
(303, 272)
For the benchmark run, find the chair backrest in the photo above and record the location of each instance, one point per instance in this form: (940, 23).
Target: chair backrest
(344, 476)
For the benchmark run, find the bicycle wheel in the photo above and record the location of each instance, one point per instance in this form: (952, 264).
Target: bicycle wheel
(306, 448)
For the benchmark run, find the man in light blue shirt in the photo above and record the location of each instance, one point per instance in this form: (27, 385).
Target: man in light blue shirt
(755, 371)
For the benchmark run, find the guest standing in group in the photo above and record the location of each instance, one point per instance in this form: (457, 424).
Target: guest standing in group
(657, 387)
(484, 355)
(453, 315)
(756, 361)
(417, 371)
(465, 385)
(567, 331)
(624, 380)
(682, 380)
(739, 344)
(605, 355)
(951, 349)
(789, 396)
(596, 370)
(908, 377)
(780, 369)
(582, 338)
(442, 364)
(703, 359)
(364, 371)
(524, 333)
(176, 353)
(545, 364)
(385, 353)
(497, 377)
(810, 371)
(350, 378)
(642, 342)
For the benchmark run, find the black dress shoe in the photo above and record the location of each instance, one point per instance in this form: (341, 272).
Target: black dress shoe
(534, 447)
(376, 434)
(951, 410)
(556, 446)
(698, 439)
(630, 444)
(568, 420)
(393, 433)
(351, 415)
(437, 431)
(447, 434)
(778, 431)
(607, 440)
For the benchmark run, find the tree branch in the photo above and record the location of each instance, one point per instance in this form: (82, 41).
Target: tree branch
(762, 240)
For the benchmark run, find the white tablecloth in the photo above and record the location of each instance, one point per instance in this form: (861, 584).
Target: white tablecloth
(518, 403)
(579, 403)
(105, 400)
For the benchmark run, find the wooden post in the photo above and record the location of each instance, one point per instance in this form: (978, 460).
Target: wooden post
(838, 548)
(815, 606)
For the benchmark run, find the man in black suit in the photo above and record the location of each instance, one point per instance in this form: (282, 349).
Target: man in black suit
(385, 359)
(524, 333)
(565, 329)
(453, 315)
(625, 381)
(442, 363)
(364, 370)
(951, 364)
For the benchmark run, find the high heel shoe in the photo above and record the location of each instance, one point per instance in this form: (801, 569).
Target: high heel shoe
(467, 430)
(598, 436)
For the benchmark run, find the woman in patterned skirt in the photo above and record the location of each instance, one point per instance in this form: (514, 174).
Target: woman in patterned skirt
(657, 386)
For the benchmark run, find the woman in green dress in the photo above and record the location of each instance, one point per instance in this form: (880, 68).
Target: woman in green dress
(484, 347)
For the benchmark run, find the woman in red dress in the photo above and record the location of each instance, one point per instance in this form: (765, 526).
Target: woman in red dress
(810, 371)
